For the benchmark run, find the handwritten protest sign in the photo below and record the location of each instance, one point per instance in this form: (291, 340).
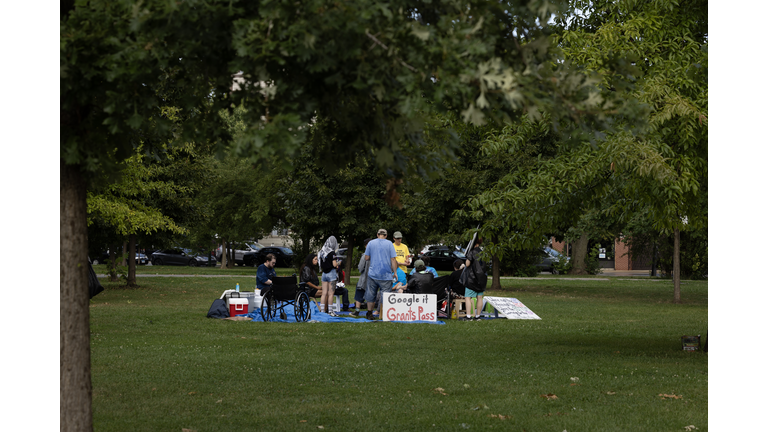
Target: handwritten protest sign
(409, 307)
(511, 308)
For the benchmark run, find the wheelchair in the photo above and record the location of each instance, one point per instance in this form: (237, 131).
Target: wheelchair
(285, 291)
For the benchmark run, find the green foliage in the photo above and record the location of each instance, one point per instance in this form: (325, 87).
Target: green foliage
(562, 264)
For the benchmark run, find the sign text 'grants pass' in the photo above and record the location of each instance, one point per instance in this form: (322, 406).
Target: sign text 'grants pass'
(409, 307)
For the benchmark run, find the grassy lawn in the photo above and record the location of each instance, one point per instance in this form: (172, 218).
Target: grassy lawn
(606, 349)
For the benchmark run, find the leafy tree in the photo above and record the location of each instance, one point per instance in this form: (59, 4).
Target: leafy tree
(669, 41)
(378, 70)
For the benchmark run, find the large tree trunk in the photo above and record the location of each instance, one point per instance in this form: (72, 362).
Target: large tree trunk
(496, 281)
(580, 248)
(74, 330)
(132, 260)
(676, 265)
(223, 254)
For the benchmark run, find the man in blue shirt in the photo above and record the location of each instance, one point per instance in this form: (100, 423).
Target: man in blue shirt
(265, 273)
(381, 253)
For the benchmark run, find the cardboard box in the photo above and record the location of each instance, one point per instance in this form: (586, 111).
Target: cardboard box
(238, 306)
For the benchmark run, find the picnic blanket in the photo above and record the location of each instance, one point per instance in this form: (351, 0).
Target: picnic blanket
(318, 316)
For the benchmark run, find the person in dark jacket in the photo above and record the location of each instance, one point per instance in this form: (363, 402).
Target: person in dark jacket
(476, 280)
(457, 289)
(265, 273)
(421, 281)
(308, 274)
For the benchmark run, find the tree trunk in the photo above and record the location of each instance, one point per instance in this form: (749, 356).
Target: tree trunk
(132, 260)
(348, 260)
(676, 265)
(580, 248)
(124, 261)
(74, 329)
(112, 265)
(496, 281)
(223, 254)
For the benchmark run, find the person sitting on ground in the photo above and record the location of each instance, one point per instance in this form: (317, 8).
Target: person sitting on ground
(308, 274)
(341, 289)
(457, 289)
(400, 281)
(265, 273)
(425, 260)
(421, 281)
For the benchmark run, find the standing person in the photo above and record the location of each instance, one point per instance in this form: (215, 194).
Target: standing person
(265, 273)
(381, 253)
(362, 267)
(477, 279)
(403, 255)
(328, 264)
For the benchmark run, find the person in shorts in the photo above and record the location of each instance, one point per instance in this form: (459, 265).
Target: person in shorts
(381, 253)
(477, 279)
(328, 264)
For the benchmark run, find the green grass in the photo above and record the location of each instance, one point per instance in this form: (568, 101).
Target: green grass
(159, 364)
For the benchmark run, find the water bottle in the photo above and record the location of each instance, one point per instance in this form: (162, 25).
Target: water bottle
(237, 287)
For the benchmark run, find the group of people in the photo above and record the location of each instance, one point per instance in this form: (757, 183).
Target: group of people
(382, 269)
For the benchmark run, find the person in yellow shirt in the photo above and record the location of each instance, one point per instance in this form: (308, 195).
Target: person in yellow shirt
(403, 255)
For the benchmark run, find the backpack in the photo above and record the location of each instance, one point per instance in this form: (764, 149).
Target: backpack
(326, 265)
(218, 309)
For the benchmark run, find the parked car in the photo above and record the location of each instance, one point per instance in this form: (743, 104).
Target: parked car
(546, 258)
(442, 258)
(177, 256)
(283, 255)
(141, 259)
(241, 249)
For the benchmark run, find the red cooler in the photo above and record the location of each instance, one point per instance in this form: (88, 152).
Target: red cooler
(238, 306)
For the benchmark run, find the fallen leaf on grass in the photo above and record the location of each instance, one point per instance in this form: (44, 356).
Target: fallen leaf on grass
(575, 379)
(671, 396)
(302, 421)
(500, 416)
(440, 390)
(218, 401)
(192, 393)
(690, 428)
(187, 430)
(320, 427)
(610, 393)
(549, 396)
(575, 384)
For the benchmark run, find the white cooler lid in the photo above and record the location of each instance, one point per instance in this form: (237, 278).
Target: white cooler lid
(236, 300)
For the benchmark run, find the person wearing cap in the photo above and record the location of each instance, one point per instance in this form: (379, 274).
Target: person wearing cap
(381, 253)
(403, 255)
(421, 281)
(425, 259)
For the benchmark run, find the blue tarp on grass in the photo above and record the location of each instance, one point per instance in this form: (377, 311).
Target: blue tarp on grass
(318, 316)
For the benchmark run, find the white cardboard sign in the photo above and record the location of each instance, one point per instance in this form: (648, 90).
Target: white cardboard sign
(409, 307)
(511, 308)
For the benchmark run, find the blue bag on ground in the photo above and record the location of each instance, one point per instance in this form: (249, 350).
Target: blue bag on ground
(218, 309)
